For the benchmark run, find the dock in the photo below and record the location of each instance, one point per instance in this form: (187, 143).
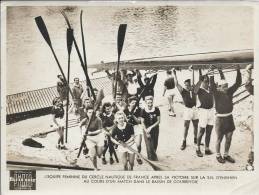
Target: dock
(38, 102)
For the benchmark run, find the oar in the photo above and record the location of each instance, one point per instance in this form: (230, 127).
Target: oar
(88, 82)
(43, 29)
(98, 102)
(155, 165)
(120, 42)
(69, 48)
(84, 52)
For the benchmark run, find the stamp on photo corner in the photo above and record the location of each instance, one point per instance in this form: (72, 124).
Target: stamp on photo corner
(22, 180)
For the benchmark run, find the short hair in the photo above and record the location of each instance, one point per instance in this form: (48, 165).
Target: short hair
(169, 72)
(149, 97)
(55, 100)
(106, 104)
(120, 113)
(132, 98)
(89, 107)
(76, 78)
(59, 75)
(188, 81)
(146, 79)
(94, 89)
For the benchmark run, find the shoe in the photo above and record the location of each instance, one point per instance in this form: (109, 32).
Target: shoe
(220, 159)
(229, 159)
(183, 145)
(85, 151)
(111, 161)
(63, 148)
(140, 162)
(58, 147)
(208, 152)
(195, 140)
(199, 153)
(250, 158)
(104, 162)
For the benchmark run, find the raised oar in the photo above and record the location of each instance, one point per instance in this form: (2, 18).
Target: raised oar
(120, 42)
(88, 82)
(69, 48)
(43, 29)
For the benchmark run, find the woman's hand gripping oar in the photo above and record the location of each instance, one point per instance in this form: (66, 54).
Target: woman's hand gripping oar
(155, 165)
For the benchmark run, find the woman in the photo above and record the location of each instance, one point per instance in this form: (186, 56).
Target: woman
(150, 121)
(133, 113)
(107, 118)
(123, 134)
(95, 137)
(57, 112)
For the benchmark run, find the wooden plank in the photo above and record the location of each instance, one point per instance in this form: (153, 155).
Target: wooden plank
(44, 99)
(31, 100)
(46, 94)
(18, 103)
(27, 102)
(35, 102)
(39, 99)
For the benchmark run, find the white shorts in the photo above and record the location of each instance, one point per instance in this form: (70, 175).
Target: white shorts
(170, 92)
(122, 149)
(96, 140)
(190, 114)
(206, 117)
(138, 129)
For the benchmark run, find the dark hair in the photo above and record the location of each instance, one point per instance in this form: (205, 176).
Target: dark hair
(188, 81)
(146, 79)
(106, 104)
(55, 100)
(169, 72)
(89, 107)
(76, 78)
(132, 98)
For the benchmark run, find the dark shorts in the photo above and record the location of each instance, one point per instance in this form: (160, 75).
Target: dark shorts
(224, 125)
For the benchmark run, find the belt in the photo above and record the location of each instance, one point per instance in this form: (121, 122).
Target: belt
(223, 115)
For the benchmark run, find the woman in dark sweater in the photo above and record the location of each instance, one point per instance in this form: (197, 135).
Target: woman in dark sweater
(57, 112)
(95, 136)
(123, 134)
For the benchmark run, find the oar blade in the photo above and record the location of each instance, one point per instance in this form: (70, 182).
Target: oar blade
(43, 29)
(70, 34)
(121, 37)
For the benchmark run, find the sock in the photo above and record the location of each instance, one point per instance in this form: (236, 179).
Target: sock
(218, 154)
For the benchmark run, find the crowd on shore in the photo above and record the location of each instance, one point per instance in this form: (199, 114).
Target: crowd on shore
(120, 123)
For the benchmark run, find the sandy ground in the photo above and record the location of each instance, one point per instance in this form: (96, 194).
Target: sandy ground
(170, 140)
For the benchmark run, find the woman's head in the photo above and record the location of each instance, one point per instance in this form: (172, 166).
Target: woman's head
(57, 101)
(120, 117)
(149, 101)
(107, 108)
(132, 101)
(89, 110)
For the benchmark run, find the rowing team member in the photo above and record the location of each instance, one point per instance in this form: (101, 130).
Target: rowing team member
(169, 89)
(223, 97)
(57, 112)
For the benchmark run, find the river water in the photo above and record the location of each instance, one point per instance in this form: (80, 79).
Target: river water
(151, 31)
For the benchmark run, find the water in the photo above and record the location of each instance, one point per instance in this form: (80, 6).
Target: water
(152, 31)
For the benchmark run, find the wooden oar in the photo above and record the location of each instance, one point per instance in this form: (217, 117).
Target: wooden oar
(43, 29)
(84, 52)
(155, 165)
(120, 42)
(88, 81)
(69, 48)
